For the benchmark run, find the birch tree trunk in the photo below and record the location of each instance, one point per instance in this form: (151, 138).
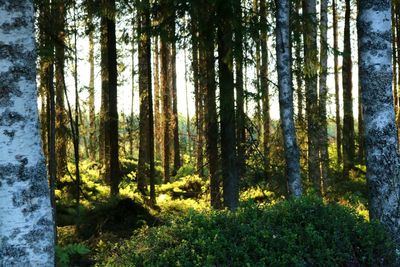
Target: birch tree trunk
(283, 57)
(26, 225)
(375, 59)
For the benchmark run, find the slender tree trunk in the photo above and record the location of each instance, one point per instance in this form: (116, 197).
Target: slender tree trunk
(257, 42)
(47, 84)
(197, 93)
(146, 133)
(283, 53)
(394, 62)
(240, 115)
(323, 94)
(297, 28)
(133, 89)
(264, 83)
(165, 106)
(92, 111)
(188, 126)
(381, 143)
(61, 118)
(311, 78)
(336, 73)
(26, 232)
(348, 120)
(175, 122)
(227, 106)
(175, 119)
(75, 123)
(398, 64)
(208, 86)
(109, 87)
(157, 117)
(361, 139)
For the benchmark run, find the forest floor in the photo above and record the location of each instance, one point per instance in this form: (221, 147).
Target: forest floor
(102, 226)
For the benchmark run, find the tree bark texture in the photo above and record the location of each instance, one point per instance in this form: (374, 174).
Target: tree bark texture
(61, 116)
(239, 62)
(146, 134)
(227, 106)
(264, 83)
(26, 225)
(375, 59)
(348, 119)
(109, 87)
(283, 53)
(336, 75)
(311, 80)
(323, 94)
(198, 95)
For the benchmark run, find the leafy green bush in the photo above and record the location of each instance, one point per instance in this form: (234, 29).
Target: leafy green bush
(299, 232)
(64, 254)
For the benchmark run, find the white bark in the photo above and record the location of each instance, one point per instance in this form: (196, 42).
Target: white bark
(26, 226)
(286, 97)
(375, 59)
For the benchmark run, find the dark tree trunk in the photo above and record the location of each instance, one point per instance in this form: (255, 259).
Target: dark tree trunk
(61, 118)
(227, 106)
(257, 42)
(175, 122)
(133, 87)
(348, 119)
(109, 88)
(207, 86)
(264, 83)
(92, 112)
(323, 95)
(198, 95)
(240, 115)
(175, 128)
(398, 64)
(146, 131)
(297, 28)
(336, 72)
(157, 114)
(46, 52)
(311, 79)
(165, 106)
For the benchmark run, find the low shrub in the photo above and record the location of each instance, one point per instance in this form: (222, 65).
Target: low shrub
(297, 232)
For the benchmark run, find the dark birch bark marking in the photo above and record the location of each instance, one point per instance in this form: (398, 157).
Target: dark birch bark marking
(292, 155)
(375, 60)
(26, 226)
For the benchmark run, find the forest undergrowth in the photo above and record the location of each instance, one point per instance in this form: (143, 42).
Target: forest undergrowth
(181, 229)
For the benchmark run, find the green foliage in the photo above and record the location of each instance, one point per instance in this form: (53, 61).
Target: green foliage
(64, 254)
(298, 232)
(119, 216)
(185, 170)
